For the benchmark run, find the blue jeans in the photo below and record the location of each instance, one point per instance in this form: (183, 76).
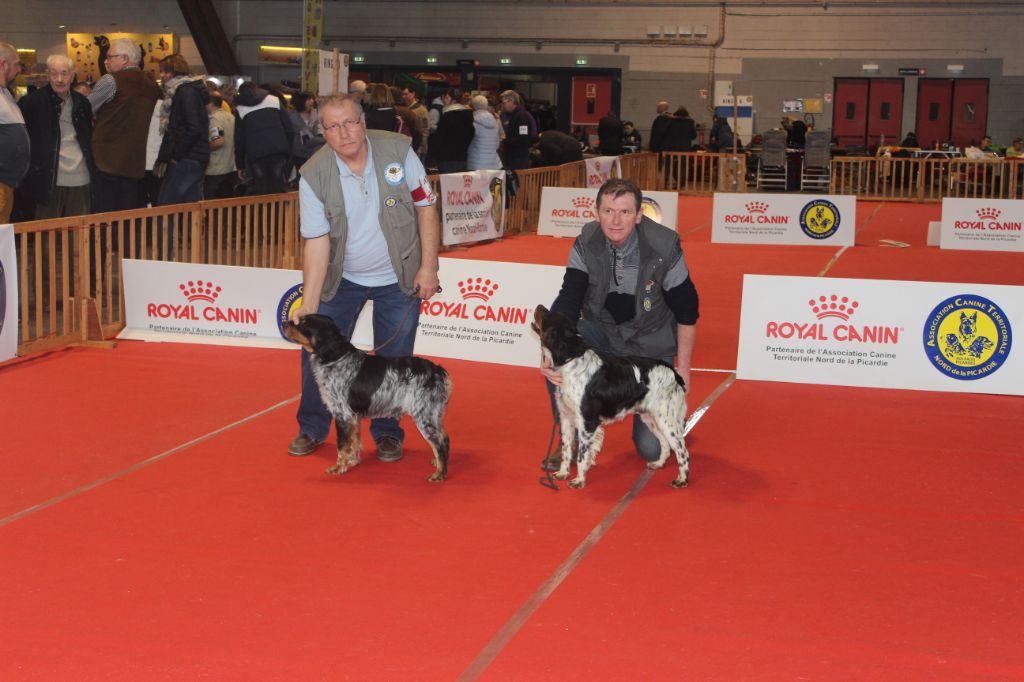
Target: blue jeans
(394, 315)
(647, 445)
(183, 183)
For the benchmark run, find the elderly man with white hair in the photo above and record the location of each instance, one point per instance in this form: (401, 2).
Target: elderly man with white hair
(14, 144)
(59, 123)
(123, 101)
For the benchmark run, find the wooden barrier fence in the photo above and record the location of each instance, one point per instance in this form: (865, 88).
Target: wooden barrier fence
(69, 269)
(908, 179)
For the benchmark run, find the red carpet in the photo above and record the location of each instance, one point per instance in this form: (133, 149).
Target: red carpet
(828, 533)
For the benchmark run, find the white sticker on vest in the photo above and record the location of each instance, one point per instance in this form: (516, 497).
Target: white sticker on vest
(394, 174)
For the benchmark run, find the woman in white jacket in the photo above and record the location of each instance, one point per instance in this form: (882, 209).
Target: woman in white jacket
(483, 150)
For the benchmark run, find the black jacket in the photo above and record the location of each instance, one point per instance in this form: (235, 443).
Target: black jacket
(188, 128)
(679, 135)
(41, 110)
(609, 132)
(262, 127)
(450, 142)
(557, 148)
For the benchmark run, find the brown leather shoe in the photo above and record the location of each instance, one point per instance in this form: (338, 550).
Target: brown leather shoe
(303, 445)
(389, 450)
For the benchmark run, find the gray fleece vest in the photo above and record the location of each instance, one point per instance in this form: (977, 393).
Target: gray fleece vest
(397, 221)
(652, 331)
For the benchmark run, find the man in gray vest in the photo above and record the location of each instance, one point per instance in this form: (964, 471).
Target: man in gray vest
(628, 286)
(372, 233)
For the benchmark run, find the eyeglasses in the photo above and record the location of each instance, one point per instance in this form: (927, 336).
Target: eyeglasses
(349, 126)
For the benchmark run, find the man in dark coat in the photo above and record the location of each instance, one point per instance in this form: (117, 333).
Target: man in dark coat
(263, 140)
(556, 148)
(59, 123)
(609, 132)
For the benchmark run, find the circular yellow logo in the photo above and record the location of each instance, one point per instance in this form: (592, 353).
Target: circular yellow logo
(967, 337)
(820, 219)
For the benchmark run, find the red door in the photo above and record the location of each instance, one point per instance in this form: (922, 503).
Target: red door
(850, 111)
(591, 99)
(885, 111)
(934, 110)
(970, 110)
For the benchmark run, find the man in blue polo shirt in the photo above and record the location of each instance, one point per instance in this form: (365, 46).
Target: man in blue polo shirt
(372, 233)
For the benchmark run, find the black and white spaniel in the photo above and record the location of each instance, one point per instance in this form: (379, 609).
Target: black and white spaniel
(595, 392)
(354, 385)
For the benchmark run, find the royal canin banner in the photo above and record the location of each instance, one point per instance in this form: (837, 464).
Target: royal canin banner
(793, 219)
(211, 304)
(482, 314)
(601, 169)
(472, 206)
(565, 210)
(882, 334)
(982, 224)
(8, 294)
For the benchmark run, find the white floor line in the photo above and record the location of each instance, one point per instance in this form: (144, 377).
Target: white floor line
(138, 465)
(512, 626)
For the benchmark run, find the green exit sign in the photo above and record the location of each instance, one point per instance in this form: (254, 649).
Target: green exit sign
(505, 60)
(581, 61)
(431, 60)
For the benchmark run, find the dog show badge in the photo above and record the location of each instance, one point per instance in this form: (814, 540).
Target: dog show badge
(820, 219)
(394, 174)
(390, 202)
(647, 295)
(967, 337)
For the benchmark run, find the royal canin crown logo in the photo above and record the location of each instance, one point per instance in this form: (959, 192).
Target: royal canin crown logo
(467, 181)
(988, 213)
(582, 202)
(477, 287)
(833, 306)
(198, 290)
(756, 207)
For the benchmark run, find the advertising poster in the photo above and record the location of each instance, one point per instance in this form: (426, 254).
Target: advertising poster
(792, 219)
(472, 206)
(882, 334)
(601, 169)
(8, 294)
(312, 62)
(982, 225)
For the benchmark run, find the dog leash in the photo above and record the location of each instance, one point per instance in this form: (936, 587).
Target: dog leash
(547, 480)
(414, 303)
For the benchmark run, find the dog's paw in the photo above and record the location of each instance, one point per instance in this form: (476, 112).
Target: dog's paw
(680, 483)
(577, 483)
(561, 475)
(337, 470)
(436, 477)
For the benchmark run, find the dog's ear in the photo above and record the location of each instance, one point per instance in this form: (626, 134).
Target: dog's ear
(539, 313)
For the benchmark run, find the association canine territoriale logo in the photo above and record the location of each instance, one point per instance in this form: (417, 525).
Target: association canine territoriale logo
(198, 290)
(820, 219)
(291, 300)
(967, 337)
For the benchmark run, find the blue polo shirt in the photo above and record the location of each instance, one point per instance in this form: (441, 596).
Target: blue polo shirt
(367, 262)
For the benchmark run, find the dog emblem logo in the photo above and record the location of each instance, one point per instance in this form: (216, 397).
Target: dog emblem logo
(291, 300)
(394, 174)
(651, 209)
(390, 202)
(967, 337)
(820, 219)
